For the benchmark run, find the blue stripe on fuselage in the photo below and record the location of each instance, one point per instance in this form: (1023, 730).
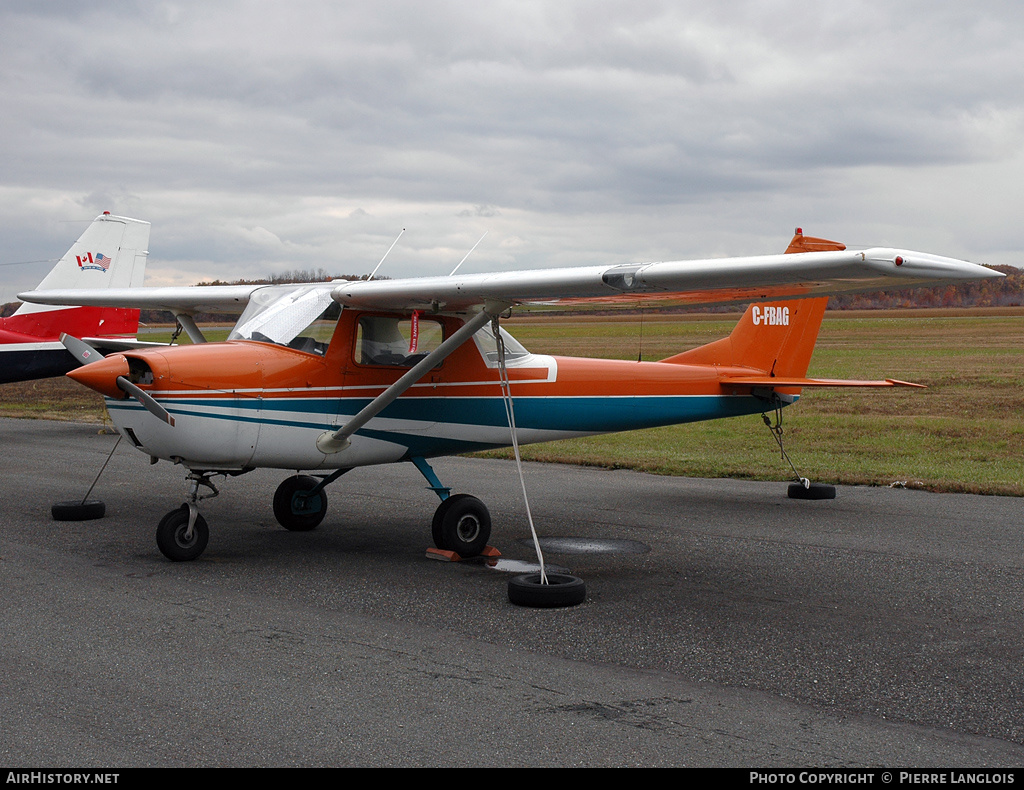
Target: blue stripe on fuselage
(576, 414)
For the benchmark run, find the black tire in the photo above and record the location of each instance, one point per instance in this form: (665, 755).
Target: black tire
(170, 536)
(435, 526)
(78, 511)
(293, 510)
(815, 491)
(463, 525)
(561, 590)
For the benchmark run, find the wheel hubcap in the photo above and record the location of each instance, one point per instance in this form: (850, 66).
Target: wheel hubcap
(303, 504)
(468, 529)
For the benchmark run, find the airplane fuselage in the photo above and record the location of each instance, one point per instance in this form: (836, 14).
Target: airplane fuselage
(30, 346)
(243, 404)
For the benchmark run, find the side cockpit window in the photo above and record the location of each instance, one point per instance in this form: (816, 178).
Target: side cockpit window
(515, 353)
(396, 341)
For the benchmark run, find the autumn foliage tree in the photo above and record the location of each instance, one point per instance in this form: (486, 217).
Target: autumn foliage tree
(1005, 292)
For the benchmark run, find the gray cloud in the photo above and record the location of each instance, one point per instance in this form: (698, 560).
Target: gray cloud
(259, 137)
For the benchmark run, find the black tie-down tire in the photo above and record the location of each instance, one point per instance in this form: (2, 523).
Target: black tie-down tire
(561, 590)
(171, 536)
(462, 524)
(77, 510)
(296, 511)
(813, 491)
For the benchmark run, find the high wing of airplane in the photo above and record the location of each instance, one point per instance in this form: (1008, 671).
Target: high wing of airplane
(111, 254)
(323, 378)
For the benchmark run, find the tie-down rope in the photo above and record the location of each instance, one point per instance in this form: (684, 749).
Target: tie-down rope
(506, 390)
(776, 431)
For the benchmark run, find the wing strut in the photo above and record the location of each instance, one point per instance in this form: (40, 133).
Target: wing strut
(186, 322)
(330, 442)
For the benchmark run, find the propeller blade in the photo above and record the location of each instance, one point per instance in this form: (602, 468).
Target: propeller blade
(146, 400)
(80, 350)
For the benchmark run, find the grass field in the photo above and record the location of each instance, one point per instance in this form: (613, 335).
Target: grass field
(964, 433)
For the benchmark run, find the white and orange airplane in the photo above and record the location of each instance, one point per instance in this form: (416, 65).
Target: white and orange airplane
(111, 253)
(323, 378)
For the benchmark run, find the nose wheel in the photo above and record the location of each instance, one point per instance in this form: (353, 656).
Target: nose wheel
(182, 534)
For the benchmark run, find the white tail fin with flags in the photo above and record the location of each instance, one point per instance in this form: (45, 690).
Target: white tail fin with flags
(111, 253)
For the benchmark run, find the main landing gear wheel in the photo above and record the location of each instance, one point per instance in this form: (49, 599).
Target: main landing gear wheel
(812, 491)
(561, 590)
(78, 511)
(462, 524)
(173, 539)
(294, 509)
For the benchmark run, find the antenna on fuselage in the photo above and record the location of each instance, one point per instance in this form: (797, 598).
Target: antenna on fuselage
(385, 255)
(468, 254)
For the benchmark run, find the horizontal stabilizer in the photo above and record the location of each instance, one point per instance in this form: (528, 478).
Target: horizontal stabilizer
(790, 381)
(187, 299)
(107, 345)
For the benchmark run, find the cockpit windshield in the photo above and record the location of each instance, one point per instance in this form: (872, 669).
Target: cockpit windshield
(301, 317)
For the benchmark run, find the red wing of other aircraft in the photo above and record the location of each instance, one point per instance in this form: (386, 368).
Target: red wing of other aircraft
(323, 378)
(110, 254)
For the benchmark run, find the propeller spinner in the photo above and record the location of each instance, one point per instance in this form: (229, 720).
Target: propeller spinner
(108, 376)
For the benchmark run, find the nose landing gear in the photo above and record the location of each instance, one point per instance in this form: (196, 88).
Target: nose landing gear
(182, 534)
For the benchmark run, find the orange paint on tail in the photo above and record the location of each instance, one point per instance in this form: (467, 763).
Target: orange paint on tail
(775, 338)
(802, 243)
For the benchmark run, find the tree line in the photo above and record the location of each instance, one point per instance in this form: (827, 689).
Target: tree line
(1006, 292)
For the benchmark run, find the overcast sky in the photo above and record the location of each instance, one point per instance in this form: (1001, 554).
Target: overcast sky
(263, 137)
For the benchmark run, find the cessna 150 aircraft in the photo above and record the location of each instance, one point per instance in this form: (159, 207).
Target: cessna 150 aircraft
(110, 254)
(322, 378)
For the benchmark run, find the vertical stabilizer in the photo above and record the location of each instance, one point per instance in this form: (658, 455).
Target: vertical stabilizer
(775, 338)
(110, 254)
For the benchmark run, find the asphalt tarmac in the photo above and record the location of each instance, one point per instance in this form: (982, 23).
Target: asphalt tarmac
(725, 625)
